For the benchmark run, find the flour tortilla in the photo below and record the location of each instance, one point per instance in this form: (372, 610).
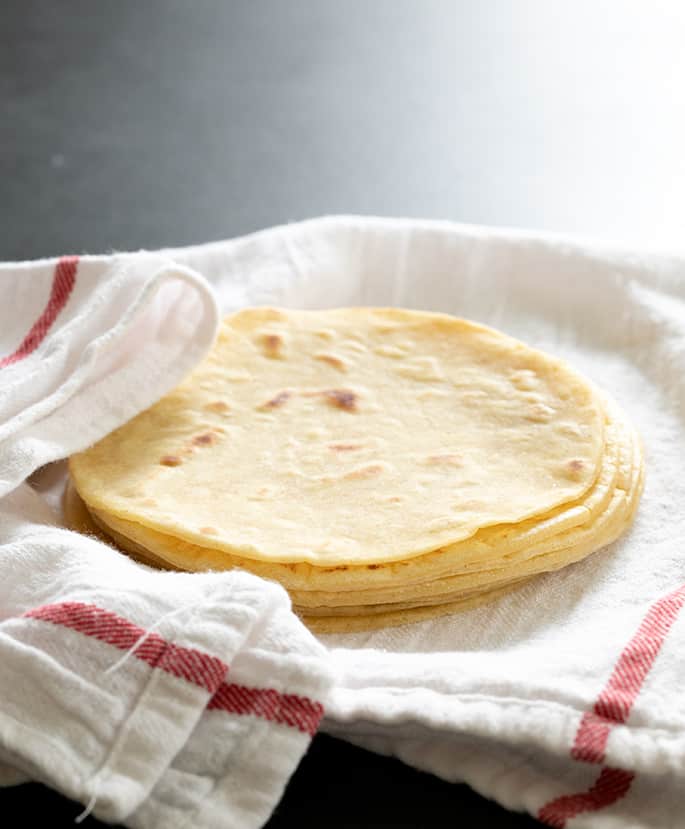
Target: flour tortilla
(383, 618)
(348, 438)
(566, 548)
(489, 547)
(78, 518)
(369, 609)
(455, 588)
(396, 618)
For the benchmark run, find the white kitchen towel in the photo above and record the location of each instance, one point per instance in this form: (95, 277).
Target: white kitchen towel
(155, 699)
(87, 343)
(565, 698)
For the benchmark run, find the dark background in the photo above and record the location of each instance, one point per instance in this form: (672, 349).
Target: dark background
(142, 124)
(164, 122)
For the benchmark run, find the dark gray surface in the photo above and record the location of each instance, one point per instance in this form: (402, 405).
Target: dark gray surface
(165, 122)
(133, 124)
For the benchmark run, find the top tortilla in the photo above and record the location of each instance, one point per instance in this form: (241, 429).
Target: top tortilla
(350, 436)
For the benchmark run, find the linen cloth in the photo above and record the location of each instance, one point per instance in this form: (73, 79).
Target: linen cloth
(155, 699)
(564, 698)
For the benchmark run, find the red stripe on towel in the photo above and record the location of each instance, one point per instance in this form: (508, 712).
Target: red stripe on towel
(610, 786)
(287, 709)
(612, 708)
(190, 664)
(187, 663)
(63, 283)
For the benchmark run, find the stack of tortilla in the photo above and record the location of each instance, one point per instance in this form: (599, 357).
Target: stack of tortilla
(384, 465)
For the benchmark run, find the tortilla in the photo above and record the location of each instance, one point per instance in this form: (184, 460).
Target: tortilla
(350, 437)
(398, 616)
(566, 548)
(384, 466)
(489, 547)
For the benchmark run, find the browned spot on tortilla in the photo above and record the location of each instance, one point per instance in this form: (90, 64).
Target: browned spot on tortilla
(277, 401)
(209, 530)
(372, 566)
(363, 472)
(448, 459)
(218, 406)
(341, 399)
(345, 447)
(574, 468)
(206, 439)
(170, 460)
(332, 360)
(272, 345)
